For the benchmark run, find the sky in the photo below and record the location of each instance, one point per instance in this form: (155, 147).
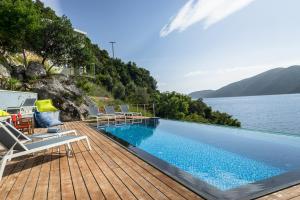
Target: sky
(191, 45)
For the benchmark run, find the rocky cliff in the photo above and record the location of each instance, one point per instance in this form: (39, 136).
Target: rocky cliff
(62, 90)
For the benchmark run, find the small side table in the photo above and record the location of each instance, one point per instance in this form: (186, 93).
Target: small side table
(25, 124)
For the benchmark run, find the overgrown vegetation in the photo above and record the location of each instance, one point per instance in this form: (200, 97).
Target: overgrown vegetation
(181, 107)
(29, 26)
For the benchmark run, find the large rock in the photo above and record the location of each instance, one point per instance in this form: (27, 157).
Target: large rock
(65, 95)
(18, 71)
(35, 70)
(4, 72)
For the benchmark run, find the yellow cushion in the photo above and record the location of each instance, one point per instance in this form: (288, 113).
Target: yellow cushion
(45, 106)
(3, 113)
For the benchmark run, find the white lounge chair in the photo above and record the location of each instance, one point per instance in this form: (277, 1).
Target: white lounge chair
(125, 110)
(37, 136)
(16, 148)
(94, 113)
(110, 113)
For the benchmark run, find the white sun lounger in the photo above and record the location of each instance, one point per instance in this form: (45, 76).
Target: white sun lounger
(16, 148)
(125, 110)
(37, 136)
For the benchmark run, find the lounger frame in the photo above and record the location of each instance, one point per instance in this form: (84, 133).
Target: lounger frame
(12, 153)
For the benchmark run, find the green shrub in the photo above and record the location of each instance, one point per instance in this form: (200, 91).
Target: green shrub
(85, 85)
(119, 91)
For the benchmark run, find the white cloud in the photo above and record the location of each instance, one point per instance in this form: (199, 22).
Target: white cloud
(207, 11)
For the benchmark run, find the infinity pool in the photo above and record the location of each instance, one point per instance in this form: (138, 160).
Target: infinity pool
(216, 162)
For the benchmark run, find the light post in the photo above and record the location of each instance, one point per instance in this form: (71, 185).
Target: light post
(112, 48)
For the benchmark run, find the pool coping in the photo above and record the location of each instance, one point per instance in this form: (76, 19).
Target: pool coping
(203, 189)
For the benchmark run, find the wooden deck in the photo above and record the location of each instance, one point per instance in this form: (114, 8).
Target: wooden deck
(107, 172)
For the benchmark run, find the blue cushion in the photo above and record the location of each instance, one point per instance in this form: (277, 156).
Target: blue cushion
(53, 130)
(47, 119)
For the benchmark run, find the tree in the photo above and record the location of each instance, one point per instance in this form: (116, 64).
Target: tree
(19, 19)
(119, 91)
(53, 40)
(130, 89)
(45, 12)
(178, 106)
(140, 96)
(105, 80)
(81, 53)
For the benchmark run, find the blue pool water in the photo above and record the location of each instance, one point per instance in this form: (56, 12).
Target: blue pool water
(225, 158)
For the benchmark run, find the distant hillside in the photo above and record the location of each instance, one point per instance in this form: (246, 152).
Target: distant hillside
(274, 81)
(202, 94)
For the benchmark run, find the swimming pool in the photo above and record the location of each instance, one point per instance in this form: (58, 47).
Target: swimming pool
(216, 162)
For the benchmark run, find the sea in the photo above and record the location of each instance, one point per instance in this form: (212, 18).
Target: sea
(272, 113)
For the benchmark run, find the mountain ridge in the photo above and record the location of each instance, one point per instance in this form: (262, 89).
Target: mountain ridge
(275, 81)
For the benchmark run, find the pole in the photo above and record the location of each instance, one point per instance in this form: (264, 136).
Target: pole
(153, 106)
(112, 48)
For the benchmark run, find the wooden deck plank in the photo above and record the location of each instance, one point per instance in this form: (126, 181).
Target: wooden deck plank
(104, 184)
(67, 189)
(54, 189)
(151, 189)
(116, 183)
(123, 191)
(295, 198)
(133, 186)
(11, 180)
(41, 191)
(29, 187)
(108, 190)
(288, 193)
(77, 179)
(18, 187)
(8, 170)
(91, 184)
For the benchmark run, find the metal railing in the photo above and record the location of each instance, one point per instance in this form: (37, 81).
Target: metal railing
(146, 109)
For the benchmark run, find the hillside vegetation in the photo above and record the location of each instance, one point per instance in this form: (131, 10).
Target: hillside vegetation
(274, 81)
(29, 28)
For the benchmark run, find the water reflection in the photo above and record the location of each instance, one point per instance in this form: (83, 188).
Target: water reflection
(136, 133)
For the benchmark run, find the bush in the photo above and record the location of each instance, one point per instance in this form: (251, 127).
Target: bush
(13, 83)
(140, 96)
(181, 107)
(105, 80)
(85, 85)
(196, 118)
(119, 91)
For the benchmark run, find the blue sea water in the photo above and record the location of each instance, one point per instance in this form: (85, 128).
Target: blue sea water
(224, 157)
(279, 113)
